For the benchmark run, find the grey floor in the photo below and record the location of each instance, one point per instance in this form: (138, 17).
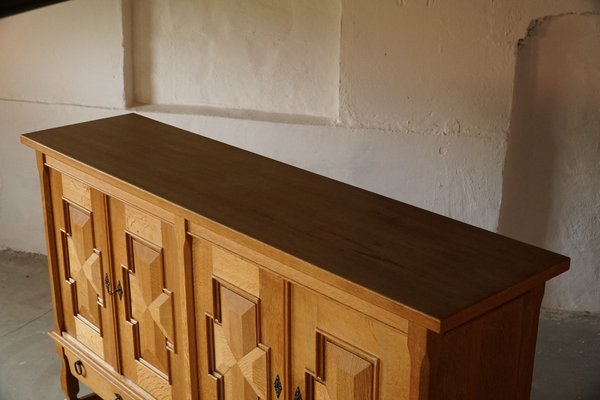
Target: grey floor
(567, 365)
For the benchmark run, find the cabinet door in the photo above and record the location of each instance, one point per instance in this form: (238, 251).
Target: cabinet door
(79, 216)
(240, 325)
(148, 269)
(340, 354)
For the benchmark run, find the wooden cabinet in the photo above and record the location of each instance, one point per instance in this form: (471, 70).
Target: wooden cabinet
(119, 272)
(183, 268)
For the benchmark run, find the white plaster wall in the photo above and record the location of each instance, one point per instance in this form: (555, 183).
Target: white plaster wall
(407, 98)
(69, 53)
(21, 221)
(273, 55)
(435, 67)
(551, 194)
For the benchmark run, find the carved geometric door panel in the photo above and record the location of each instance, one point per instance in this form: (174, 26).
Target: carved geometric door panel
(80, 220)
(148, 304)
(341, 354)
(342, 372)
(239, 318)
(83, 268)
(239, 361)
(145, 258)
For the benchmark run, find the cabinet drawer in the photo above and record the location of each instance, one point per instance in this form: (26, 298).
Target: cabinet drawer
(101, 381)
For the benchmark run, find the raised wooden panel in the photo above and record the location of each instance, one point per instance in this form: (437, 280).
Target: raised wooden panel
(240, 310)
(239, 361)
(342, 372)
(82, 260)
(149, 305)
(79, 220)
(83, 268)
(148, 266)
(337, 352)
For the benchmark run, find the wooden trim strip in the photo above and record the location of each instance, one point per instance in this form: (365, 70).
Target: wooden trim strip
(53, 264)
(307, 280)
(100, 367)
(112, 187)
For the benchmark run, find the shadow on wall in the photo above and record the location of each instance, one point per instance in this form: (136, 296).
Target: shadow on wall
(551, 190)
(142, 52)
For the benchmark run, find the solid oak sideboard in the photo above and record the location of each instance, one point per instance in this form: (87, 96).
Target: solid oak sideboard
(184, 268)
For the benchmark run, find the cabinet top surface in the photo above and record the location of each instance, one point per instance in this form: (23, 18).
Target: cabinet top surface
(437, 266)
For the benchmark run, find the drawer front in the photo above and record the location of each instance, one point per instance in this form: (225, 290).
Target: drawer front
(98, 379)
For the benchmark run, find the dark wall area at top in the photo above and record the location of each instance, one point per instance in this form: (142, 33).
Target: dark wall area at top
(11, 7)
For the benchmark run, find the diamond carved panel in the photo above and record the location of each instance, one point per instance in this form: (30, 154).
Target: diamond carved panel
(343, 373)
(239, 361)
(149, 305)
(82, 264)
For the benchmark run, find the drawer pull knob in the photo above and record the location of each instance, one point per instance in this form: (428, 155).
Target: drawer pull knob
(278, 386)
(79, 367)
(118, 289)
(298, 394)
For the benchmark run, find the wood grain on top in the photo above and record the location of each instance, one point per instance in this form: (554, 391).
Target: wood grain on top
(435, 265)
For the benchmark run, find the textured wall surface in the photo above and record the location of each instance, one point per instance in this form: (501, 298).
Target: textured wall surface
(21, 221)
(435, 67)
(274, 55)
(412, 99)
(551, 192)
(69, 53)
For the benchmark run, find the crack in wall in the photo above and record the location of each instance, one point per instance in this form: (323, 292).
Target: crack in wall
(537, 23)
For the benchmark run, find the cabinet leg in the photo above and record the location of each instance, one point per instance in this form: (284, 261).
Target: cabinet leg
(529, 329)
(68, 383)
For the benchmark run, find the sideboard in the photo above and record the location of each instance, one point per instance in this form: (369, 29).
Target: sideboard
(183, 268)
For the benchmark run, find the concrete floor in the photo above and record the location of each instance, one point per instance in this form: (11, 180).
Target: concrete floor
(567, 363)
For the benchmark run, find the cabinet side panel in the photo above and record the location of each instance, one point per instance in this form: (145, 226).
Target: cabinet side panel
(490, 357)
(529, 330)
(58, 216)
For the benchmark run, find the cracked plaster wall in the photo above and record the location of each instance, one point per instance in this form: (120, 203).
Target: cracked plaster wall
(551, 190)
(408, 98)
